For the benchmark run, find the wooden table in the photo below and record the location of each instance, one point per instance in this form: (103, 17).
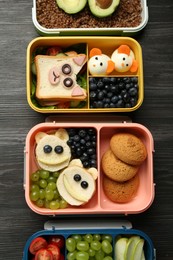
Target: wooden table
(17, 221)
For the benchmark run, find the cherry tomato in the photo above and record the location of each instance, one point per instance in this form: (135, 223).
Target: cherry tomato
(37, 244)
(53, 51)
(55, 251)
(57, 240)
(44, 254)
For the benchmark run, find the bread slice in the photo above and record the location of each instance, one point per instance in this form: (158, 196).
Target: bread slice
(56, 77)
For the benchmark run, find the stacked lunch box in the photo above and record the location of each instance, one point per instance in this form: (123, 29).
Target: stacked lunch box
(86, 116)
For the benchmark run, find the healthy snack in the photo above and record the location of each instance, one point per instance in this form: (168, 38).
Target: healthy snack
(56, 77)
(99, 63)
(71, 7)
(113, 92)
(52, 151)
(128, 148)
(94, 246)
(129, 248)
(103, 8)
(76, 184)
(124, 59)
(128, 14)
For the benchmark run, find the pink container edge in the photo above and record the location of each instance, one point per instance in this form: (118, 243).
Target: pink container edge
(98, 202)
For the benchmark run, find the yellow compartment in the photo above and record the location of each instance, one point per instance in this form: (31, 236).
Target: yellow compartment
(107, 45)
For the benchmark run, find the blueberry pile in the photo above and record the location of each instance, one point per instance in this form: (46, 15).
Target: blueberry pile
(83, 142)
(113, 92)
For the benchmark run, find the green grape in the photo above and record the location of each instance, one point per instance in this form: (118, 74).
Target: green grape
(88, 238)
(96, 245)
(43, 183)
(49, 195)
(82, 255)
(71, 255)
(34, 195)
(82, 245)
(44, 174)
(107, 258)
(46, 204)
(56, 174)
(99, 255)
(54, 204)
(40, 203)
(107, 237)
(106, 246)
(97, 237)
(91, 252)
(77, 237)
(70, 244)
(42, 193)
(34, 187)
(51, 185)
(51, 179)
(56, 194)
(35, 176)
(63, 204)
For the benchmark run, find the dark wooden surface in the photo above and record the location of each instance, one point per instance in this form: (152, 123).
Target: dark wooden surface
(17, 221)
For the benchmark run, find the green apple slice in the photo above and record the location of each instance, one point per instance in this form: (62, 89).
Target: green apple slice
(138, 250)
(120, 247)
(143, 256)
(131, 244)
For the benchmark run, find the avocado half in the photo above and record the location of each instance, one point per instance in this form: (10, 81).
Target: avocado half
(103, 8)
(71, 6)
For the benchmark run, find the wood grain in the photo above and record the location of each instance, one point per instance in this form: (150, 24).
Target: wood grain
(17, 221)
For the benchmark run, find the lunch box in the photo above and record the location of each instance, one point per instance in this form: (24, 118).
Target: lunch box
(123, 31)
(99, 203)
(115, 228)
(107, 45)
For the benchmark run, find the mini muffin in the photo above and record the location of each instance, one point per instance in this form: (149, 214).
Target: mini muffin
(128, 148)
(120, 192)
(116, 169)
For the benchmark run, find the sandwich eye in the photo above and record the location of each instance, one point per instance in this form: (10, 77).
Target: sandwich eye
(66, 69)
(124, 58)
(47, 148)
(68, 82)
(58, 149)
(127, 65)
(77, 177)
(84, 184)
(96, 58)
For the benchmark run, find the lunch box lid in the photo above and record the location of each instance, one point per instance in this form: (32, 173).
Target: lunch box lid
(124, 31)
(113, 227)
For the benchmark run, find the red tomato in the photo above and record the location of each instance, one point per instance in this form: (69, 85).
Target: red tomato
(43, 254)
(53, 51)
(57, 240)
(36, 244)
(55, 251)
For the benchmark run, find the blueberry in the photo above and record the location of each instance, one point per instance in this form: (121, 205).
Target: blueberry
(114, 99)
(47, 148)
(82, 133)
(84, 184)
(133, 92)
(76, 138)
(77, 177)
(100, 95)
(93, 95)
(58, 149)
(93, 86)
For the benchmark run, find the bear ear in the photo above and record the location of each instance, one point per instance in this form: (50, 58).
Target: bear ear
(111, 66)
(76, 162)
(39, 136)
(124, 49)
(94, 52)
(62, 134)
(94, 173)
(134, 66)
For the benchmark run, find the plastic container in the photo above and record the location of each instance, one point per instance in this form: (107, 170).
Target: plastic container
(81, 227)
(123, 31)
(108, 46)
(99, 203)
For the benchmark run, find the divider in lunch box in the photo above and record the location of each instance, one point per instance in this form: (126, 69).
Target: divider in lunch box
(115, 228)
(107, 45)
(99, 203)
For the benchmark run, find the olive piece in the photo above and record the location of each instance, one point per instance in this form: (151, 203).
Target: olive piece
(58, 149)
(84, 184)
(68, 82)
(66, 69)
(77, 177)
(47, 148)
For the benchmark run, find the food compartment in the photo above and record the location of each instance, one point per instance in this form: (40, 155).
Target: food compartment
(95, 242)
(48, 189)
(117, 22)
(109, 88)
(129, 194)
